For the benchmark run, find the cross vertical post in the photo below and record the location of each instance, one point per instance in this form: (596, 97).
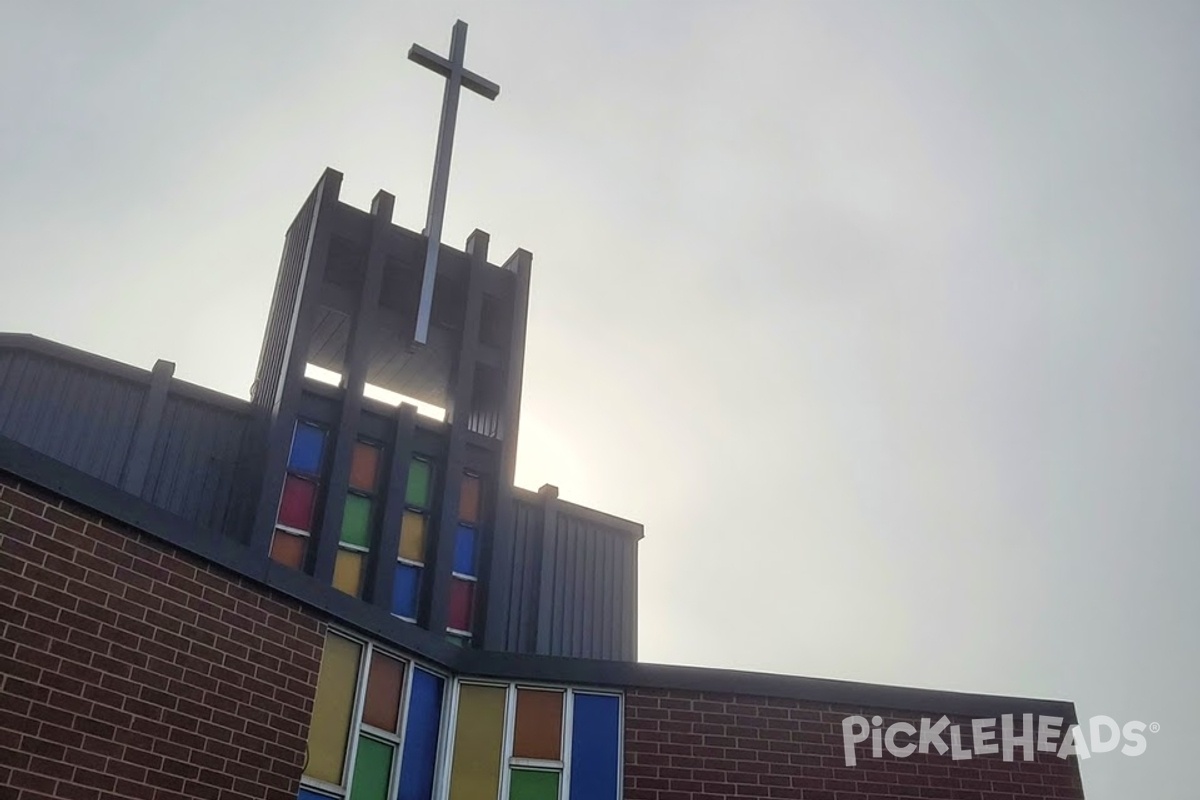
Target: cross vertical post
(456, 77)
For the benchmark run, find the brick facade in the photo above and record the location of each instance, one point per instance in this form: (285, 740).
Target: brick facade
(681, 745)
(130, 670)
(133, 670)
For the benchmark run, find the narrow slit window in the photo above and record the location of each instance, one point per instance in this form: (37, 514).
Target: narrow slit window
(295, 518)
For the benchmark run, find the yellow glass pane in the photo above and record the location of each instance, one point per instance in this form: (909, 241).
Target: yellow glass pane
(412, 536)
(478, 740)
(348, 572)
(329, 729)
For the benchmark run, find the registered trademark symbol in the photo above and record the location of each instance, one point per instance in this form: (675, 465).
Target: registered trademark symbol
(1155, 727)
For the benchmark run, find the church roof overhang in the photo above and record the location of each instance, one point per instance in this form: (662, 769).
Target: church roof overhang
(39, 470)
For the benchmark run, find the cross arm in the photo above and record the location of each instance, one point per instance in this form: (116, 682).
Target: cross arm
(432, 61)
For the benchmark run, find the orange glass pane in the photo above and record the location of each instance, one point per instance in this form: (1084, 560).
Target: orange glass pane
(288, 549)
(468, 499)
(381, 708)
(364, 467)
(538, 730)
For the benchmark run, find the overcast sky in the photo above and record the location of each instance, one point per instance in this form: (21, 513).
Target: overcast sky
(882, 317)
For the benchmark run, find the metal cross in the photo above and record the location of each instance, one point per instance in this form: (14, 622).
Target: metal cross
(456, 77)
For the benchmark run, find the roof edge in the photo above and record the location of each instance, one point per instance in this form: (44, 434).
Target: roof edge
(40, 470)
(29, 343)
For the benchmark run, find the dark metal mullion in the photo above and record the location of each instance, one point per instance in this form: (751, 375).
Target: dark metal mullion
(358, 351)
(392, 509)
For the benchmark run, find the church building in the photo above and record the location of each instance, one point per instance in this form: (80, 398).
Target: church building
(316, 593)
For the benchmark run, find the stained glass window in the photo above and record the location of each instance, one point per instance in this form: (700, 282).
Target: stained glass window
(354, 540)
(296, 516)
(355, 737)
(517, 736)
(414, 538)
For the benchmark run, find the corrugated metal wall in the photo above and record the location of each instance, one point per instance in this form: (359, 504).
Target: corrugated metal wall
(574, 586)
(81, 417)
(520, 614)
(590, 572)
(194, 463)
(54, 400)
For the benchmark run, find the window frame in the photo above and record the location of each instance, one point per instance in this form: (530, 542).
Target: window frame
(507, 761)
(477, 529)
(373, 498)
(317, 479)
(426, 512)
(359, 728)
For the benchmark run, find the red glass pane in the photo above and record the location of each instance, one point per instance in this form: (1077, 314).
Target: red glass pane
(296, 506)
(462, 596)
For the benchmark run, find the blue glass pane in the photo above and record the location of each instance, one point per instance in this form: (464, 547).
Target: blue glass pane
(309, 794)
(421, 737)
(595, 757)
(464, 551)
(307, 444)
(404, 590)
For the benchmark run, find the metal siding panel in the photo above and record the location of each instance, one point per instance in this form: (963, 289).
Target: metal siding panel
(19, 427)
(590, 595)
(629, 597)
(81, 417)
(525, 585)
(194, 460)
(512, 609)
(7, 361)
(80, 437)
(570, 577)
(611, 597)
(108, 454)
(509, 611)
(587, 616)
(578, 543)
(531, 555)
(567, 594)
(33, 395)
(189, 482)
(588, 635)
(557, 597)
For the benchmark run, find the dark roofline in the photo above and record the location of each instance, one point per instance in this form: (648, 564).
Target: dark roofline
(119, 369)
(40, 470)
(635, 529)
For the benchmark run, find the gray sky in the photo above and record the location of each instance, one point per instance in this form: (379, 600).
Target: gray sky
(882, 317)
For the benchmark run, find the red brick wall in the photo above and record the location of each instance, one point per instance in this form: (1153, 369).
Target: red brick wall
(681, 745)
(128, 669)
(131, 670)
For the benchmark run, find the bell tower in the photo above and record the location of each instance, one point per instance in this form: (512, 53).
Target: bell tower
(415, 516)
(393, 507)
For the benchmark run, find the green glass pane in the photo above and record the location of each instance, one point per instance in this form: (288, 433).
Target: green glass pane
(419, 476)
(356, 521)
(372, 770)
(532, 784)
